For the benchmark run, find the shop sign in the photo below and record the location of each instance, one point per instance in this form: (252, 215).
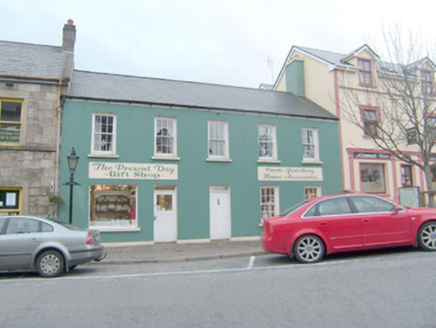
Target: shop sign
(133, 171)
(9, 136)
(372, 156)
(289, 174)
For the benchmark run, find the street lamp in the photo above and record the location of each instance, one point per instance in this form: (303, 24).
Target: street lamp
(73, 159)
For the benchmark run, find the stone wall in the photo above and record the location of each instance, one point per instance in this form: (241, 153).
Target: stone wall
(32, 165)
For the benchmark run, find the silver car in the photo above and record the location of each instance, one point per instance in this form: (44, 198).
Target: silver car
(30, 243)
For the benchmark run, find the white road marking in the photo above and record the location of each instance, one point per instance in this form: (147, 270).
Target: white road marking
(156, 274)
(250, 267)
(251, 262)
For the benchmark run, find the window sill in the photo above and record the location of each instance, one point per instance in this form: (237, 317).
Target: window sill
(312, 162)
(364, 85)
(103, 156)
(269, 161)
(162, 158)
(223, 160)
(114, 229)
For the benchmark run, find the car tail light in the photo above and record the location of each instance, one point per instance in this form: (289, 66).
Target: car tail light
(267, 228)
(89, 239)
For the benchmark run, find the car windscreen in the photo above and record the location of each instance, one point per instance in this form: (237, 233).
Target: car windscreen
(293, 208)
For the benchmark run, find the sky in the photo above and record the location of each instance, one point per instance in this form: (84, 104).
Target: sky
(231, 42)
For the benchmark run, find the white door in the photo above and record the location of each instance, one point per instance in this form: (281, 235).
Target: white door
(165, 215)
(220, 223)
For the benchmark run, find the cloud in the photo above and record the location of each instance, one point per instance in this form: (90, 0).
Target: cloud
(216, 41)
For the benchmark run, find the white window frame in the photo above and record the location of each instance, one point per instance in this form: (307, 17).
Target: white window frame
(225, 140)
(314, 190)
(268, 201)
(173, 137)
(311, 141)
(94, 132)
(273, 141)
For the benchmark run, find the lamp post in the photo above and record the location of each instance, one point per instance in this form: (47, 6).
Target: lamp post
(73, 159)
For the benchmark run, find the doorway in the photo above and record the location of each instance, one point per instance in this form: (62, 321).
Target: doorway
(220, 221)
(165, 214)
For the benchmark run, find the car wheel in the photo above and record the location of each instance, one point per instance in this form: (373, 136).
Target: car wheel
(50, 264)
(309, 249)
(427, 236)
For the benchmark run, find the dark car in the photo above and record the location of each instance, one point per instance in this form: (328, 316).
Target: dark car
(30, 243)
(347, 222)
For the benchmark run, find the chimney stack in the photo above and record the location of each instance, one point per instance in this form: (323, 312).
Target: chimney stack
(68, 40)
(69, 36)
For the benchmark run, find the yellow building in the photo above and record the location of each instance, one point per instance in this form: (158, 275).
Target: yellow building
(350, 86)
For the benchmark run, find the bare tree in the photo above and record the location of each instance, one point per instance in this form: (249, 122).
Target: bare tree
(406, 105)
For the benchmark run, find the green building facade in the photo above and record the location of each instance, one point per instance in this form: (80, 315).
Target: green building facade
(166, 161)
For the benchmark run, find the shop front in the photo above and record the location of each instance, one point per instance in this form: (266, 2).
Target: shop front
(381, 173)
(158, 173)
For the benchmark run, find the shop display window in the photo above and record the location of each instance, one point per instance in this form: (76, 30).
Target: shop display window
(113, 206)
(372, 178)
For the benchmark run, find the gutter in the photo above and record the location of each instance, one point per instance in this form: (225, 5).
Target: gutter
(39, 80)
(218, 109)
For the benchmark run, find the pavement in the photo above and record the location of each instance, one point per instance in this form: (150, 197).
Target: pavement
(179, 252)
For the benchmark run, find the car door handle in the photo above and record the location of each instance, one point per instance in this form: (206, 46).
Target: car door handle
(34, 240)
(366, 220)
(323, 223)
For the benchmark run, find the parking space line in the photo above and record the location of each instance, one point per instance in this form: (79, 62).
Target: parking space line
(251, 262)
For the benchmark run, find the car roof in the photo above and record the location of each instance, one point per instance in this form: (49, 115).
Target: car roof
(35, 217)
(317, 199)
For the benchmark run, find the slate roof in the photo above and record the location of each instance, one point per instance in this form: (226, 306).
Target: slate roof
(382, 66)
(31, 60)
(329, 56)
(133, 89)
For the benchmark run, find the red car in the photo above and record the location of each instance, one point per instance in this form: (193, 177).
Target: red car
(347, 222)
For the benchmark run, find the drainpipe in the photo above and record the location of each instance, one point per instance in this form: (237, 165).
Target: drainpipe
(58, 141)
(338, 114)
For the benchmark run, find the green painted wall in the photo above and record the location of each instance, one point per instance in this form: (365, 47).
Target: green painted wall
(135, 138)
(295, 82)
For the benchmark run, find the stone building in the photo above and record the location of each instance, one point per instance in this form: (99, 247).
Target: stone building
(32, 81)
